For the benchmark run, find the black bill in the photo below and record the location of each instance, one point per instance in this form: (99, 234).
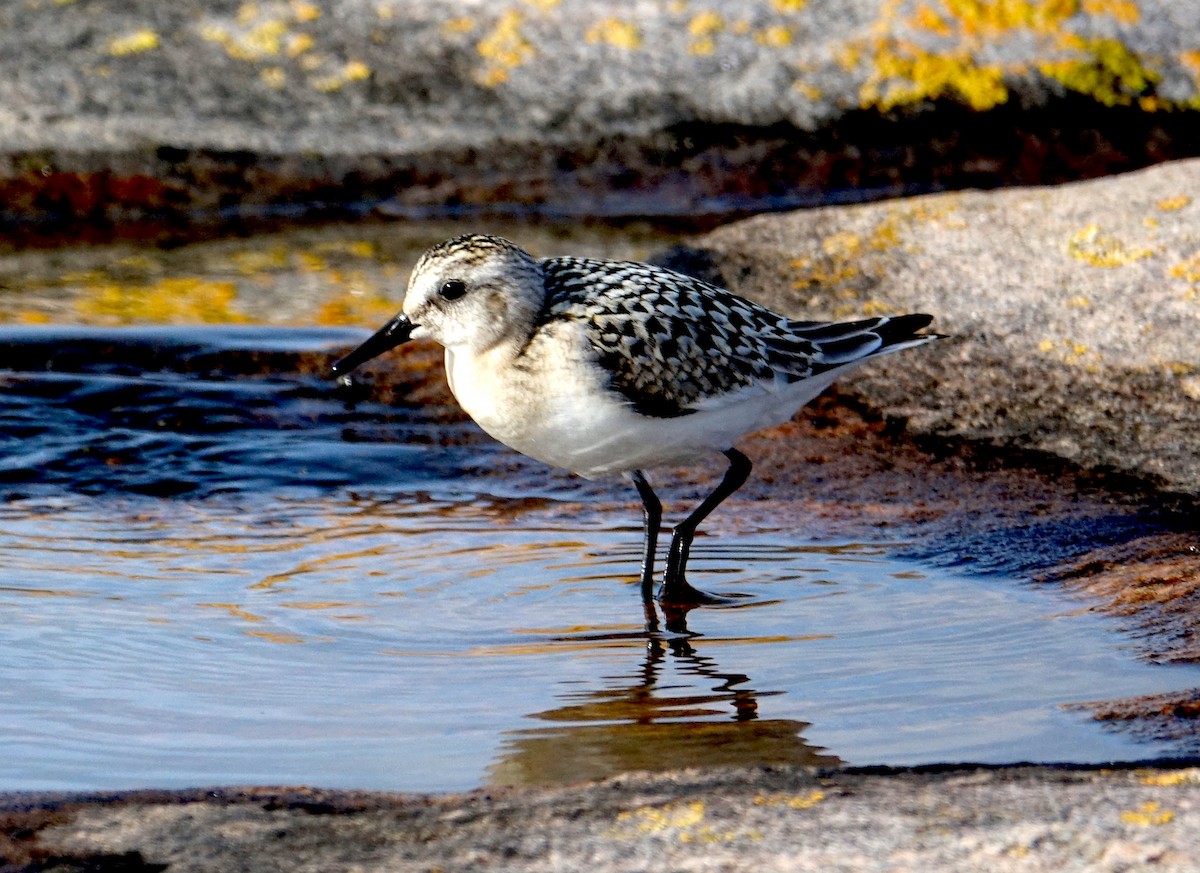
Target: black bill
(392, 334)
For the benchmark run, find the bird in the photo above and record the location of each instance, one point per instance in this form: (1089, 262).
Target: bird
(606, 367)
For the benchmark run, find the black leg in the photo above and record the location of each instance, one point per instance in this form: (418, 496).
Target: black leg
(652, 516)
(675, 588)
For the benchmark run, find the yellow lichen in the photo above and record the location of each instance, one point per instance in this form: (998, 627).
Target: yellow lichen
(792, 801)
(351, 71)
(615, 32)
(1171, 204)
(706, 23)
(786, 6)
(505, 48)
(1147, 815)
(1107, 71)
(273, 77)
(652, 819)
(1187, 270)
(304, 12)
(936, 51)
(298, 44)
(1124, 11)
(808, 90)
(1191, 60)
(1091, 246)
(462, 24)
(774, 37)
(1189, 776)
(355, 71)
(135, 43)
(264, 40)
(925, 18)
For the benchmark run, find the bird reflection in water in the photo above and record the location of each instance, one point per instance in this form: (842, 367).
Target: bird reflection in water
(649, 718)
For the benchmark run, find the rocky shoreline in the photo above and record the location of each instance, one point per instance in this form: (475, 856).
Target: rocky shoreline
(1070, 384)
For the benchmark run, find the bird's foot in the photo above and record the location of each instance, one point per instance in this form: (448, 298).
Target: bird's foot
(679, 593)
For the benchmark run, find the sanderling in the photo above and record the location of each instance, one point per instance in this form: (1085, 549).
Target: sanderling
(606, 367)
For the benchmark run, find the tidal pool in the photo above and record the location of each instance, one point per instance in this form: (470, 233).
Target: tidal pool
(219, 567)
(435, 642)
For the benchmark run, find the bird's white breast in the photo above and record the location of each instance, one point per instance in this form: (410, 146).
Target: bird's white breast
(554, 404)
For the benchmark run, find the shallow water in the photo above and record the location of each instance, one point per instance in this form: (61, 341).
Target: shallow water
(221, 567)
(441, 643)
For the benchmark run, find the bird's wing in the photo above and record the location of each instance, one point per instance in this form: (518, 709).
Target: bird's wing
(667, 340)
(671, 342)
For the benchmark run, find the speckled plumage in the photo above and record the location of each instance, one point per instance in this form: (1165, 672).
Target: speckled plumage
(669, 342)
(614, 367)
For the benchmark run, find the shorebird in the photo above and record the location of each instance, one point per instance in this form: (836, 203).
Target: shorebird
(604, 367)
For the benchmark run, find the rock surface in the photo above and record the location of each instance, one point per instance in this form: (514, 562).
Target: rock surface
(129, 109)
(1028, 819)
(1072, 311)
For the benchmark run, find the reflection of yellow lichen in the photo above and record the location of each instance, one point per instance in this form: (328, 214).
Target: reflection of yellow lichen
(134, 43)
(788, 5)
(1147, 815)
(1093, 247)
(615, 32)
(351, 308)
(233, 609)
(174, 300)
(276, 637)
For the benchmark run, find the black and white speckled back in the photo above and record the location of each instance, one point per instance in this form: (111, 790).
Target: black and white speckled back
(670, 341)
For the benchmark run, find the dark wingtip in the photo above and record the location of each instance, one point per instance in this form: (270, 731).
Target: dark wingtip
(899, 328)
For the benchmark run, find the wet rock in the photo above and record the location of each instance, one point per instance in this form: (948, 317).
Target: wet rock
(123, 111)
(1071, 311)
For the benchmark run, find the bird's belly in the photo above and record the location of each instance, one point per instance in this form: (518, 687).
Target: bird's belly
(565, 420)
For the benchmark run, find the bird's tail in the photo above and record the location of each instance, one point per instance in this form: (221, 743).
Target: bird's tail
(841, 343)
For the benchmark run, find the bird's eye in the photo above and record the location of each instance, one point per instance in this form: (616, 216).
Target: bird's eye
(452, 289)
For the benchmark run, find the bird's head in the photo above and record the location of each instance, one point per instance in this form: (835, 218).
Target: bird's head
(470, 292)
